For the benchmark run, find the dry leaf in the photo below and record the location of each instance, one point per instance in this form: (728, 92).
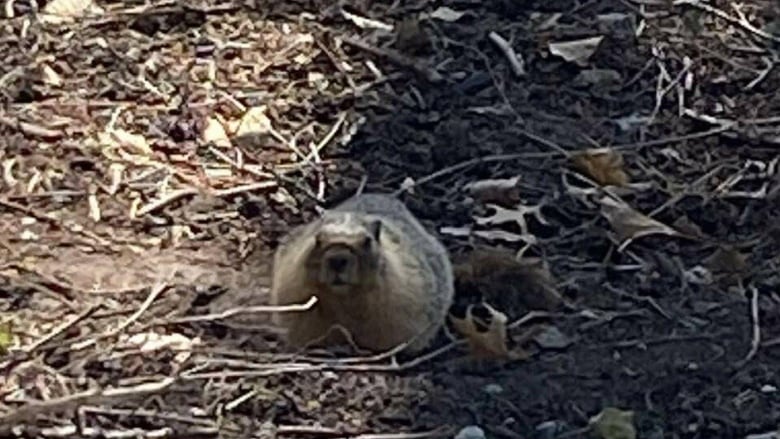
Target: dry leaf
(728, 264)
(447, 14)
(60, 11)
(612, 423)
(152, 341)
(253, 122)
(50, 77)
(488, 344)
(504, 191)
(215, 132)
(499, 277)
(577, 51)
(630, 224)
(6, 336)
(685, 225)
(135, 142)
(410, 36)
(603, 165)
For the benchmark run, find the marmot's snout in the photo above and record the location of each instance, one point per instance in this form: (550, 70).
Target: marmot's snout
(339, 267)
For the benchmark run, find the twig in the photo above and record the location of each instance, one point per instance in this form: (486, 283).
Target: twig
(31, 129)
(756, 341)
(69, 402)
(60, 329)
(741, 21)
(515, 61)
(659, 340)
(279, 369)
(328, 137)
(169, 198)
(245, 310)
(245, 188)
(156, 290)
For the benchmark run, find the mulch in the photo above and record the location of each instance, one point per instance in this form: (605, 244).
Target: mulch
(153, 155)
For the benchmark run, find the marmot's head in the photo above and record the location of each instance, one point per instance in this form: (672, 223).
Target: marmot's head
(345, 257)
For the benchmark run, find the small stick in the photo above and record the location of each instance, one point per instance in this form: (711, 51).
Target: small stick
(171, 197)
(69, 402)
(246, 310)
(515, 61)
(756, 342)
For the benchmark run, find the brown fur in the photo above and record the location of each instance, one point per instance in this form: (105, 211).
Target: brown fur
(399, 287)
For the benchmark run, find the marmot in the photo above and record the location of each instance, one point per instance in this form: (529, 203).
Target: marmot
(375, 270)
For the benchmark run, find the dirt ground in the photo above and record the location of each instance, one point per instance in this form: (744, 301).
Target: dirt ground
(153, 154)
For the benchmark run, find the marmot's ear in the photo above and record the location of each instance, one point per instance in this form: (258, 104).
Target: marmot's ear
(375, 228)
(318, 238)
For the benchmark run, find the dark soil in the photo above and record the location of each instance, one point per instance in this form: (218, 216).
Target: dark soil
(684, 332)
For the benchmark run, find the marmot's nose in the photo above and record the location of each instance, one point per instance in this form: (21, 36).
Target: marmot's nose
(338, 263)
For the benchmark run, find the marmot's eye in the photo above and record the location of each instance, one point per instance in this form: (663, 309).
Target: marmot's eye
(375, 227)
(367, 242)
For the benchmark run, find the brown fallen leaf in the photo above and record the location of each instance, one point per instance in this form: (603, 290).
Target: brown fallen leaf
(630, 224)
(511, 284)
(410, 36)
(488, 344)
(603, 165)
(505, 192)
(727, 264)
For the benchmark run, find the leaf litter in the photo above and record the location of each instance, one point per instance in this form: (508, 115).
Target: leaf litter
(159, 74)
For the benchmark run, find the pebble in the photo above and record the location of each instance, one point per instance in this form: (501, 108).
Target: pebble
(470, 432)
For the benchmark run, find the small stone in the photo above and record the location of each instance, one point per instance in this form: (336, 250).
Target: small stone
(550, 429)
(552, 338)
(493, 389)
(470, 432)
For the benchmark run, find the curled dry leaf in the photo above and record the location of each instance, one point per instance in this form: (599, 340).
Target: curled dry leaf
(489, 344)
(613, 423)
(577, 51)
(504, 191)
(630, 224)
(603, 165)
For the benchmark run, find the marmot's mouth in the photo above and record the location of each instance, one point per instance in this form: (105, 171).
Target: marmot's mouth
(339, 281)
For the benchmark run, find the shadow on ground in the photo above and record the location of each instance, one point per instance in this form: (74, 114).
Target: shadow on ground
(646, 329)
